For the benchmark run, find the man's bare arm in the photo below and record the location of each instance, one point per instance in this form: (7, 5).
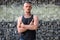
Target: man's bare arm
(34, 25)
(19, 28)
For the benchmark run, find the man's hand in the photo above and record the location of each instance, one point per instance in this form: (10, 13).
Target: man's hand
(22, 28)
(22, 25)
(31, 23)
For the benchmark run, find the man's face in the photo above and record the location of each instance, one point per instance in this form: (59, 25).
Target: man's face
(27, 7)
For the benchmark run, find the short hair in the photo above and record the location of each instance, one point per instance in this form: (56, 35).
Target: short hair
(28, 2)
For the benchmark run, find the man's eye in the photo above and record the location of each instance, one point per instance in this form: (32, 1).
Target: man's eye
(26, 6)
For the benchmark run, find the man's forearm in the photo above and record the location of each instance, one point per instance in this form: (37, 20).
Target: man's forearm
(31, 27)
(20, 30)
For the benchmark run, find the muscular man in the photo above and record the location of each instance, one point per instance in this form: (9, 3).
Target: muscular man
(27, 24)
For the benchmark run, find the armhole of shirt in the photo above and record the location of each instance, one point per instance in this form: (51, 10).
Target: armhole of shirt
(33, 18)
(21, 18)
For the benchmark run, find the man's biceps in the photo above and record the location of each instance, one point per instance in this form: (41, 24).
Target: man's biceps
(36, 23)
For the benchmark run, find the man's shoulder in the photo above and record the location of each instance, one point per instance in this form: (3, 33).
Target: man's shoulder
(35, 16)
(20, 17)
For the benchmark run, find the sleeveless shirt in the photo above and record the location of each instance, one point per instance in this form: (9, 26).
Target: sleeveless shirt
(29, 34)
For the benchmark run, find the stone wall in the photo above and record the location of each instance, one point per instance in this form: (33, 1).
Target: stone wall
(47, 30)
(5, 2)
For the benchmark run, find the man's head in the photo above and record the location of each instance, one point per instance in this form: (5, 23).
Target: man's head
(27, 7)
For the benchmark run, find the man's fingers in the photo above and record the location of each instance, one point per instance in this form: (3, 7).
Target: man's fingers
(31, 22)
(22, 25)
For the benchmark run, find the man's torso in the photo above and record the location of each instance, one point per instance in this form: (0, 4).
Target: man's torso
(29, 34)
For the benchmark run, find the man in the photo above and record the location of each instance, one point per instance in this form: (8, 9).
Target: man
(27, 24)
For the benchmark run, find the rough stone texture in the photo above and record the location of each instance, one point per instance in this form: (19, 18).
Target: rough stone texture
(47, 30)
(5, 2)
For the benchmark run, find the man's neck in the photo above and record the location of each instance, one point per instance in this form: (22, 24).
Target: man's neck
(27, 15)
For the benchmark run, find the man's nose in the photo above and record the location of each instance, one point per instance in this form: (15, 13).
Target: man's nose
(28, 8)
